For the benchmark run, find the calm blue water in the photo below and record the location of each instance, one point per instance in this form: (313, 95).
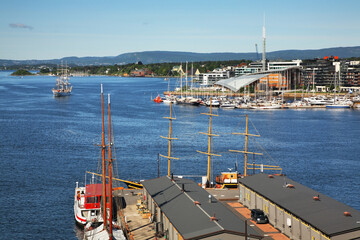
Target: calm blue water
(47, 144)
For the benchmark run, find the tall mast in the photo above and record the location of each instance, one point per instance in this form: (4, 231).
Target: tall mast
(181, 73)
(192, 76)
(186, 78)
(169, 138)
(246, 145)
(210, 135)
(103, 158)
(264, 48)
(110, 172)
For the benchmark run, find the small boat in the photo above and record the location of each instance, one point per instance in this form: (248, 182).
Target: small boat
(169, 99)
(158, 99)
(63, 86)
(228, 105)
(192, 101)
(87, 203)
(213, 103)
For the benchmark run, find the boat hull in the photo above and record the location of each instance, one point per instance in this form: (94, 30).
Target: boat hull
(59, 93)
(267, 107)
(337, 106)
(81, 214)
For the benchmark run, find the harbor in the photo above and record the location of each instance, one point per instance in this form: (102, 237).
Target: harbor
(251, 101)
(154, 120)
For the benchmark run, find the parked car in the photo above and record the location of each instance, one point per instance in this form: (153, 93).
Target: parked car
(259, 216)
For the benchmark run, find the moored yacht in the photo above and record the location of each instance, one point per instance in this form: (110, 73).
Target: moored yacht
(213, 102)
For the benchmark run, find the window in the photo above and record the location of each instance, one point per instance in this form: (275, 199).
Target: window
(91, 200)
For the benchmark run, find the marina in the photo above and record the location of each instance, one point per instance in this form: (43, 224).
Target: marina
(305, 143)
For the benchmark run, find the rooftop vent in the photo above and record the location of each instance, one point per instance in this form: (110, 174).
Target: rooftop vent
(347, 214)
(316, 198)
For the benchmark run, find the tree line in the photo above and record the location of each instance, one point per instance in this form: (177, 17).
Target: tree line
(158, 69)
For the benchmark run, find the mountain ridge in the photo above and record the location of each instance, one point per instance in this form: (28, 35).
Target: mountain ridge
(147, 57)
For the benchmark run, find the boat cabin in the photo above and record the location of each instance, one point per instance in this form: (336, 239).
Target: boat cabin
(228, 179)
(92, 196)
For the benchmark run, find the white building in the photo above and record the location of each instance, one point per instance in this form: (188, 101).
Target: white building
(283, 65)
(208, 79)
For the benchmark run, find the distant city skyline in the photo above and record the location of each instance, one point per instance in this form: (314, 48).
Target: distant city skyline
(42, 29)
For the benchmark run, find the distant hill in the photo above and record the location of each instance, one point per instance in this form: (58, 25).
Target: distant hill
(170, 56)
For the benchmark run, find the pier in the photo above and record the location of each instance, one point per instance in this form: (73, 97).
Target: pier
(135, 219)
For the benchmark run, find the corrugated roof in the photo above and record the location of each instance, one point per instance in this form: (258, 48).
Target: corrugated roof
(189, 219)
(327, 215)
(235, 83)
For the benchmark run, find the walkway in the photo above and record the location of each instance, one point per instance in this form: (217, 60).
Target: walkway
(266, 228)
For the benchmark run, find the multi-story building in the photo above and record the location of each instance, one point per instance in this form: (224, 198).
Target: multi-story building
(253, 67)
(256, 67)
(324, 72)
(284, 65)
(208, 79)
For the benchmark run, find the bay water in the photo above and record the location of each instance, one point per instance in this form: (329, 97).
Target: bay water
(47, 144)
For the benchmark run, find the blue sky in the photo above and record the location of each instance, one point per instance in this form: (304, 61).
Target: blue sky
(47, 29)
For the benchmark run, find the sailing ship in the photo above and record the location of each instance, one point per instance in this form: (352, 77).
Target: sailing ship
(93, 204)
(63, 86)
(230, 179)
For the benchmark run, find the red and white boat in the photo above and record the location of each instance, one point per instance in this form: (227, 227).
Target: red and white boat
(87, 203)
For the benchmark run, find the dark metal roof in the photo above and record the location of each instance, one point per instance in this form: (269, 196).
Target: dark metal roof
(189, 219)
(327, 215)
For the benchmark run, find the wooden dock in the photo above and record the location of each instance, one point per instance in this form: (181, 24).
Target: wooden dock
(135, 219)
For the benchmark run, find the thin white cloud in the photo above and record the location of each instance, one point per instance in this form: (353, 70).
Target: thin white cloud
(20, 25)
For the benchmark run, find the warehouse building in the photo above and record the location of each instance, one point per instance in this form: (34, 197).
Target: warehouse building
(181, 209)
(298, 211)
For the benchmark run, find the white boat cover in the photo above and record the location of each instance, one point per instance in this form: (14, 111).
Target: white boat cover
(235, 83)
